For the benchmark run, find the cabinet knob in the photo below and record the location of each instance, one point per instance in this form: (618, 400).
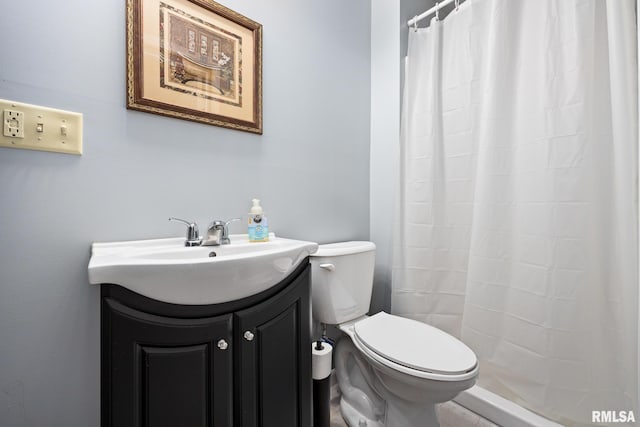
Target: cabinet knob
(222, 345)
(248, 335)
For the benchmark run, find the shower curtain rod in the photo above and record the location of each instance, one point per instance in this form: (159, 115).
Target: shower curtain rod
(435, 9)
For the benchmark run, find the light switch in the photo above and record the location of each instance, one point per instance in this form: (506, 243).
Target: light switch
(40, 128)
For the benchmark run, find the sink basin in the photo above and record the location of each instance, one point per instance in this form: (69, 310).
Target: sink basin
(166, 270)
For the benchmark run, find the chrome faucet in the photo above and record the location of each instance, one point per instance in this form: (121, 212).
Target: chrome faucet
(218, 233)
(193, 235)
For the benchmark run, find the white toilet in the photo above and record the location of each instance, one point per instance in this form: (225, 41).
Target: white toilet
(391, 370)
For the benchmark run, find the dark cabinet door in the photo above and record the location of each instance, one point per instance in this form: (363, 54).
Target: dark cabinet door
(165, 372)
(273, 385)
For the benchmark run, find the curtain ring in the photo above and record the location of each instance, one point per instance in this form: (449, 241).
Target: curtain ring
(437, 11)
(415, 23)
(457, 4)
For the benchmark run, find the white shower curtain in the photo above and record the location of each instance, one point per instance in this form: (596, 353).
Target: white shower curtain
(516, 226)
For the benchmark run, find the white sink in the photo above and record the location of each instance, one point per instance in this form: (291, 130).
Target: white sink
(166, 270)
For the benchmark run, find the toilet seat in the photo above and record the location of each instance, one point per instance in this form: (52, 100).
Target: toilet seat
(414, 348)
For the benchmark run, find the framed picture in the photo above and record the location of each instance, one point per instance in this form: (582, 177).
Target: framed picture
(194, 60)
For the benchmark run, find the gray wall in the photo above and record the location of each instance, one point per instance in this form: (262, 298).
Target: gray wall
(385, 122)
(388, 40)
(310, 168)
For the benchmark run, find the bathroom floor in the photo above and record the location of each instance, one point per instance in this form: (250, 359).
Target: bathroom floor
(450, 414)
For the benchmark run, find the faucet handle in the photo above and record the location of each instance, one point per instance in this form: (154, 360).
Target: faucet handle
(193, 235)
(225, 231)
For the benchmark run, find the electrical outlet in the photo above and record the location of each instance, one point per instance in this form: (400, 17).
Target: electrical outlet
(13, 124)
(40, 128)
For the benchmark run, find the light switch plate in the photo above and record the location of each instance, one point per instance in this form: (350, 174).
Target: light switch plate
(40, 128)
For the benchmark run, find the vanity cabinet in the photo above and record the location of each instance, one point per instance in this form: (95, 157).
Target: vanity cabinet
(245, 363)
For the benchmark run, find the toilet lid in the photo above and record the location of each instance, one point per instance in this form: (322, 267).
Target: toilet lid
(343, 248)
(415, 344)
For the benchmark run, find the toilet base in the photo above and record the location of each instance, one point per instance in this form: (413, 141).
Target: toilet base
(354, 418)
(397, 415)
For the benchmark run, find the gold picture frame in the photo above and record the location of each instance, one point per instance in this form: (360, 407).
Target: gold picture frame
(194, 60)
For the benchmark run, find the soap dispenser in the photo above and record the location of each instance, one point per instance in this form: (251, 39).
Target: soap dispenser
(258, 226)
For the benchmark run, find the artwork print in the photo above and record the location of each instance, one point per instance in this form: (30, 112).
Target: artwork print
(194, 60)
(210, 70)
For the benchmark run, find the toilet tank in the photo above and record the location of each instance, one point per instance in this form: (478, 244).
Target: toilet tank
(342, 281)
